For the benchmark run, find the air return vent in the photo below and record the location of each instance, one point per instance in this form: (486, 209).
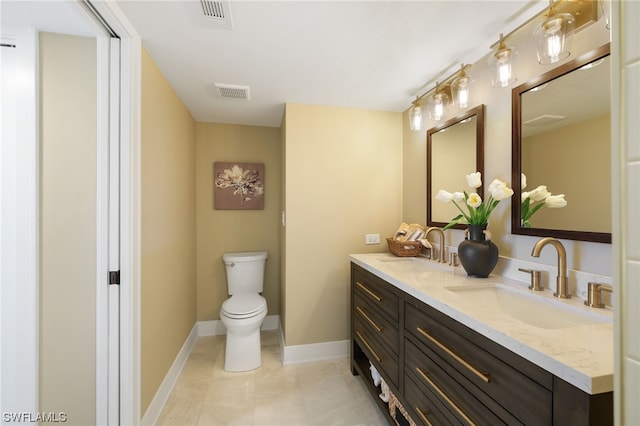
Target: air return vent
(233, 92)
(217, 13)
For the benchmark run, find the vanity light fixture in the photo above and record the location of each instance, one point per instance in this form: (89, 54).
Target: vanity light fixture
(415, 115)
(437, 103)
(553, 36)
(500, 64)
(439, 97)
(460, 88)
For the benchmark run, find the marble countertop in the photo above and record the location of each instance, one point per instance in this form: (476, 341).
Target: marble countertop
(581, 354)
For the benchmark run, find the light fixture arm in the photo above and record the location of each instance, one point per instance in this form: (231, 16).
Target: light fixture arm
(583, 10)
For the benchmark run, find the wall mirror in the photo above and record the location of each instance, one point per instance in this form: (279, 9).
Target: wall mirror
(562, 139)
(454, 149)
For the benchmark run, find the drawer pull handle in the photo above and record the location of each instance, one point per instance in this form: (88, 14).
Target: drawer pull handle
(444, 396)
(483, 376)
(375, 355)
(423, 416)
(371, 293)
(365, 316)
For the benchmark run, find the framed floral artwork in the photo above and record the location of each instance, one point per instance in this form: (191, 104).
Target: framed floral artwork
(238, 186)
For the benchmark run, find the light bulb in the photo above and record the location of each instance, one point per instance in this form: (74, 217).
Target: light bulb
(460, 89)
(415, 117)
(553, 37)
(500, 64)
(504, 73)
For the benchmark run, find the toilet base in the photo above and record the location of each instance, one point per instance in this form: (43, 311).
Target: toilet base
(242, 352)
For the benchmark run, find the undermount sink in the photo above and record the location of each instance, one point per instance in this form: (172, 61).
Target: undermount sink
(528, 307)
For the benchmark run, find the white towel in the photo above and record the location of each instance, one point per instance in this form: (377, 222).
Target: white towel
(374, 374)
(416, 235)
(426, 243)
(385, 391)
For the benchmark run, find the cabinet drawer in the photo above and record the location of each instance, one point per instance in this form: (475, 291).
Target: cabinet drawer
(384, 360)
(376, 291)
(461, 398)
(424, 407)
(375, 322)
(486, 365)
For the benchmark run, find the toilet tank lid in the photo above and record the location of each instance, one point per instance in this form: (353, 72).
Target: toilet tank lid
(248, 256)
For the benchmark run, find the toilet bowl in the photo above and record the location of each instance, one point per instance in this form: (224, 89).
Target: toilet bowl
(243, 313)
(242, 352)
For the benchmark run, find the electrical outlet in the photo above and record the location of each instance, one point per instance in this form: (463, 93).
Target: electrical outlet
(372, 239)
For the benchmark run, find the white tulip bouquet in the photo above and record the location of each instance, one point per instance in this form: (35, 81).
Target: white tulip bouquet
(477, 211)
(532, 201)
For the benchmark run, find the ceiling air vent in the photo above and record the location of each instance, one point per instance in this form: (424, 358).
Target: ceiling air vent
(233, 92)
(217, 13)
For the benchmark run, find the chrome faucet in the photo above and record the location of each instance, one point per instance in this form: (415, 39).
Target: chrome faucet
(561, 280)
(441, 256)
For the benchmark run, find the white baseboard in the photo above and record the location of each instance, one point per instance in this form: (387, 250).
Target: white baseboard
(314, 352)
(162, 394)
(217, 328)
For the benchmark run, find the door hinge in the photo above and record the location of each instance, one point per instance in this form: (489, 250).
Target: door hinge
(114, 277)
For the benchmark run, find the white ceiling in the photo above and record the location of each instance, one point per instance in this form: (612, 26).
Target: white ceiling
(364, 54)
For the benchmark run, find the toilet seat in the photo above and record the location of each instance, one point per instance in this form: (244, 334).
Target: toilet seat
(243, 306)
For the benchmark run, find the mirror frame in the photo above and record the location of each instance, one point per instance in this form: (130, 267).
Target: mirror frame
(516, 161)
(479, 113)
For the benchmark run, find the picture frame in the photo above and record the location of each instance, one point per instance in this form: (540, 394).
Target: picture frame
(238, 186)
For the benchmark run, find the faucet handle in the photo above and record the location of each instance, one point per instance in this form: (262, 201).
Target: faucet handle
(594, 294)
(536, 281)
(453, 259)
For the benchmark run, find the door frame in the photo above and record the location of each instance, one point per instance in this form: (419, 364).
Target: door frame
(24, 364)
(130, 180)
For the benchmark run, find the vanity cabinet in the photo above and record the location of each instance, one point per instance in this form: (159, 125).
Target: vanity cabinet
(375, 323)
(443, 372)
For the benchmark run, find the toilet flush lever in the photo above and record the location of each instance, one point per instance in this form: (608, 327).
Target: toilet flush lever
(232, 264)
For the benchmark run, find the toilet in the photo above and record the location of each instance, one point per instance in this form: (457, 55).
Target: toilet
(243, 313)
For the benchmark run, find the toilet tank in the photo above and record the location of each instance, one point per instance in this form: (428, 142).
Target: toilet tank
(245, 271)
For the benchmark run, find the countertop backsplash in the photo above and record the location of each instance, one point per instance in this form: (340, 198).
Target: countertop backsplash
(508, 268)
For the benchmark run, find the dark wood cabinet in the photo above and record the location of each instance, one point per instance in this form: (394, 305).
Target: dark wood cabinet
(446, 373)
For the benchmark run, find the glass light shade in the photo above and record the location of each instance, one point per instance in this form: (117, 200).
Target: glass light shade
(437, 104)
(553, 38)
(460, 90)
(500, 65)
(415, 117)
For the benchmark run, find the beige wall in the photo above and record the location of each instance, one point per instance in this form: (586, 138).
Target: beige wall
(282, 234)
(168, 228)
(343, 180)
(68, 227)
(222, 231)
(584, 256)
(550, 159)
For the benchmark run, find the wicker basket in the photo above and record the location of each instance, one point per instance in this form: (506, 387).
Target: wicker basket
(404, 249)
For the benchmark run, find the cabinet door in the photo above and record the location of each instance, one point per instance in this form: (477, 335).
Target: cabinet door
(377, 292)
(518, 393)
(461, 398)
(425, 408)
(377, 324)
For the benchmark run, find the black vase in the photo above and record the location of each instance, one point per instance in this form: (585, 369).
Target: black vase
(477, 254)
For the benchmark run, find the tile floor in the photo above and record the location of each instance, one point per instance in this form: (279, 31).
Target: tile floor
(319, 393)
